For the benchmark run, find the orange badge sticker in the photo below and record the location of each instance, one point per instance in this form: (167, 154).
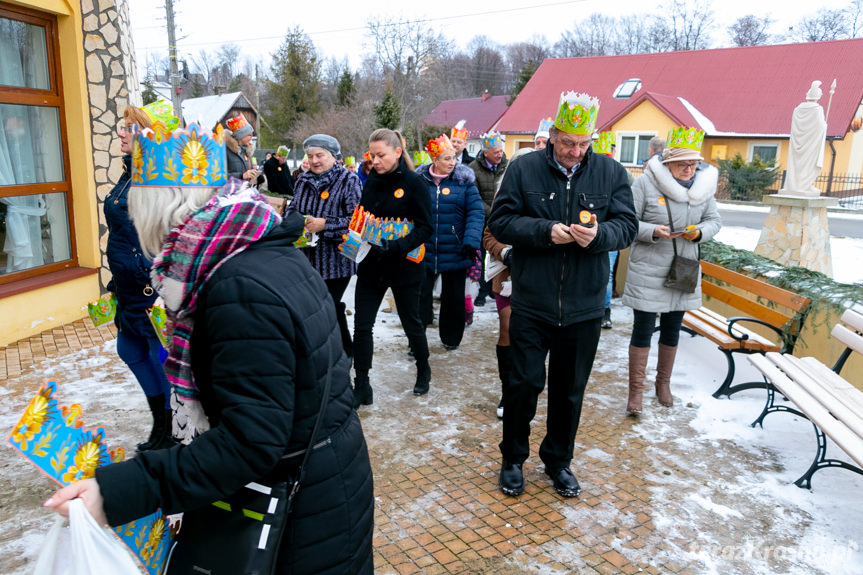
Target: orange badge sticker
(399, 193)
(324, 195)
(661, 201)
(584, 216)
(445, 191)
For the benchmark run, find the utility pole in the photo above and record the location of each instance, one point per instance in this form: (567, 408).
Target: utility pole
(172, 58)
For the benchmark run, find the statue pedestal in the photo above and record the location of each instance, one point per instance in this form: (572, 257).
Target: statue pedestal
(796, 232)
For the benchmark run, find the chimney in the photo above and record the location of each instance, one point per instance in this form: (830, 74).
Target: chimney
(485, 96)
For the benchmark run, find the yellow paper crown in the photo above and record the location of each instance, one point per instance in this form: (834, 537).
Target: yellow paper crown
(682, 137)
(438, 146)
(185, 158)
(604, 143)
(576, 113)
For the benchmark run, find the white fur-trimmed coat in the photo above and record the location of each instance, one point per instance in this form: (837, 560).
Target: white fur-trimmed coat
(650, 258)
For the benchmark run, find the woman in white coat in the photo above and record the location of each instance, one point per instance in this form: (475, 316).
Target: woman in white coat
(677, 183)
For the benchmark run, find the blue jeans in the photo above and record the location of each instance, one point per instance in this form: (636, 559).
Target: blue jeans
(141, 354)
(612, 258)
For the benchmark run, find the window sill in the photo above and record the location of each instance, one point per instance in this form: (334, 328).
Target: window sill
(44, 280)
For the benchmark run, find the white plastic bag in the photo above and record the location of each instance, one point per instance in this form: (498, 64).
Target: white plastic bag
(84, 548)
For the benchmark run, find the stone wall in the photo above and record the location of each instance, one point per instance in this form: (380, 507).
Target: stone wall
(112, 83)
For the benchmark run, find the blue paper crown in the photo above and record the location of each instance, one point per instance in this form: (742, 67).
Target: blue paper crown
(185, 158)
(491, 140)
(54, 439)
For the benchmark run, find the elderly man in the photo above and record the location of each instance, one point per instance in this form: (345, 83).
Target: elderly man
(562, 210)
(540, 140)
(279, 179)
(458, 138)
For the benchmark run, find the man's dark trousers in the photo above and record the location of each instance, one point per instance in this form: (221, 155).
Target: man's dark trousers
(571, 350)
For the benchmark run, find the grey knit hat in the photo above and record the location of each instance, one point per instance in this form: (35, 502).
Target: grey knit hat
(324, 141)
(242, 132)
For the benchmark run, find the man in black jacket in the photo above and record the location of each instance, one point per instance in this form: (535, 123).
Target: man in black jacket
(279, 179)
(562, 210)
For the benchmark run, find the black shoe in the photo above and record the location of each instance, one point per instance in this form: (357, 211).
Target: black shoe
(479, 301)
(564, 481)
(450, 347)
(423, 378)
(606, 319)
(362, 392)
(511, 480)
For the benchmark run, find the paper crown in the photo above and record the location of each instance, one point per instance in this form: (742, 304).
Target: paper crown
(421, 157)
(53, 438)
(604, 144)
(459, 131)
(185, 158)
(576, 113)
(350, 161)
(491, 140)
(367, 156)
(682, 137)
(544, 126)
(282, 151)
(438, 146)
(236, 123)
(162, 111)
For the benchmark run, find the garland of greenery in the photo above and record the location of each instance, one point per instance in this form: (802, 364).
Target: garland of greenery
(827, 295)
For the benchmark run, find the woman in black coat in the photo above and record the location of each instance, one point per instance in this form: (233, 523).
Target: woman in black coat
(262, 339)
(137, 343)
(392, 190)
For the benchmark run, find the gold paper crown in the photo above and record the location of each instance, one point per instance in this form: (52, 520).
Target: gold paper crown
(689, 138)
(604, 143)
(185, 158)
(459, 131)
(438, 146)
(576, 113)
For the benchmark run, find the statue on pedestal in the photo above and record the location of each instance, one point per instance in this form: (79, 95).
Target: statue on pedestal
(806, 149)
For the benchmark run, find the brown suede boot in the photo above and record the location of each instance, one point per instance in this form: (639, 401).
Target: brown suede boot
(663, 374)
(637, 366)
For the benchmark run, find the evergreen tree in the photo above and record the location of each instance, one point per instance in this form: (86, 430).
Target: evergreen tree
(524, 75)
(389, 112)
(345, 89)
(149, 95)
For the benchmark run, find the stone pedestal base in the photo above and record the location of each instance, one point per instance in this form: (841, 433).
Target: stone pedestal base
(796, 232)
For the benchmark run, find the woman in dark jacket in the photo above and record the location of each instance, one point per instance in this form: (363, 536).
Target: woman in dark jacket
(457, 222)
(327, 195)
(254, 324)
(392, 191)
(137, 343)
(238, 139)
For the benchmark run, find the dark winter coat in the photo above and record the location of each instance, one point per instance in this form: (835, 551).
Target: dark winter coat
(238, 158)
(129, 267)
(488, 181)
(334, 197)
(279, 180)
(260, 350)
(397, 194)
(457, 219)
(562, 284)
(465, 158)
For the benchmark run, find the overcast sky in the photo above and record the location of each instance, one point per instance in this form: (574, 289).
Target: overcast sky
(337, 27)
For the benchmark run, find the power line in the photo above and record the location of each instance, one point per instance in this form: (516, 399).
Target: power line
(359, 28)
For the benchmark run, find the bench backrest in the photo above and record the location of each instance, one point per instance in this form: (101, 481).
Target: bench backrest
(712, 275)
(850, 337)
(279, 204)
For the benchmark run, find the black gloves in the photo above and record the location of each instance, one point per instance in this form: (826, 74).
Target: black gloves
(467, 252)
(387, 247)
(507, 257)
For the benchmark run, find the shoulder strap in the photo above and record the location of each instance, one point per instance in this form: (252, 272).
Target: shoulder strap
(670, 224)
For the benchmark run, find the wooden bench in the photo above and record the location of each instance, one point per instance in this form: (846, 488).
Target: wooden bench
(279, 204)
(821, 395)
(761, 304)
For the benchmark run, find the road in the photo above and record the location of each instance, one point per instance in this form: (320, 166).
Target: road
(840, 224)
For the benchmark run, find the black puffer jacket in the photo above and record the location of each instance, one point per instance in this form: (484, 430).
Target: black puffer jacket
(263, 328)
(561, 284)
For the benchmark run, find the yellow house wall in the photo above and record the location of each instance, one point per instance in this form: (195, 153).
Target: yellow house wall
(29, 313)
(511, 145)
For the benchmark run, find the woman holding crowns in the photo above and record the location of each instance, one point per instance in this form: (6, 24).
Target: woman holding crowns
(391, 191)
(229, 274)
(327, 195)
(675, 194)
(457, 222)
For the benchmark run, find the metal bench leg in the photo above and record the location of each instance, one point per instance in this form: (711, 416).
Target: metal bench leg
(768, 407)
(820, 462)
(726, 388)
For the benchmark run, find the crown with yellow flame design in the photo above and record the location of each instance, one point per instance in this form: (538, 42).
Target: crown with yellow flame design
(438, 146)
(576, 113)
(682, 137)
(53, 438)
(459, 131)
(605, 143)
(185, 158)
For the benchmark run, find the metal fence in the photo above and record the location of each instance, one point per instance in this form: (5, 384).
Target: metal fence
(847, 188)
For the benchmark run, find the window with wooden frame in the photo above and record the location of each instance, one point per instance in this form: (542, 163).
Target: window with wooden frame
(36, 224)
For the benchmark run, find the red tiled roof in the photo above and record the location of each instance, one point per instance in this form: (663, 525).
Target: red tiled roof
(730, 91)
(479, 115)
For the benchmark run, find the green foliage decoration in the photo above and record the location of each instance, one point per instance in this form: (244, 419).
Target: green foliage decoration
(748, 180)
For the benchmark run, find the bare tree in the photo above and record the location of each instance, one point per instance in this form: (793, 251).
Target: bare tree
(203, 64)
(688, 22)
(750, 30)
(228, 57)
(593, 36)
(632, 35)
(822, 26)
(855, 18)
(489, 73)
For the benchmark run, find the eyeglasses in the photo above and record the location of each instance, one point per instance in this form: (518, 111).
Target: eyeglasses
(688, 165)
(121, 129)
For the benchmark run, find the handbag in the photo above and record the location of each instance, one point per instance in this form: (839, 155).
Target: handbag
(684, 272)
(242, 534)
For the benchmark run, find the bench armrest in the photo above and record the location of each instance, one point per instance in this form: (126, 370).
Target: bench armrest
(744, 337)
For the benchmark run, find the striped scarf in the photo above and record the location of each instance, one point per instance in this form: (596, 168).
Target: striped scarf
(231, 221)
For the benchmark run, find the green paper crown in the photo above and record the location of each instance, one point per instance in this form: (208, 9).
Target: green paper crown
(576, 113)
(605, 143)
(689, 138)
(421, 157)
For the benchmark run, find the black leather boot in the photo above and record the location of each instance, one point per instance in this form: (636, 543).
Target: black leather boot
(504, 366)
(423, 377)
(362, 390)
(160, 435)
